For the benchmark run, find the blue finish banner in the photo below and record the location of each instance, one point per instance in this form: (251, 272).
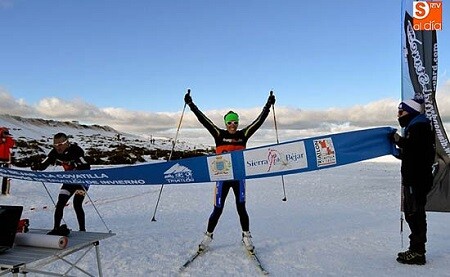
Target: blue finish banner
(271, 160)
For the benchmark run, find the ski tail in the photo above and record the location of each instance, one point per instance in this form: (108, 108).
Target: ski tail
(192, 258)
(256, 261)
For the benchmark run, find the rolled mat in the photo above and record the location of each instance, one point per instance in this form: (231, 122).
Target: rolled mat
(41, 240)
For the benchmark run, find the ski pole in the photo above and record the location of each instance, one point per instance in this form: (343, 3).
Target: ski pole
(95, 208)
(53, 201)
(170, 155)
(49, 194)
(278, 141)
(402, 191)
(401, 229)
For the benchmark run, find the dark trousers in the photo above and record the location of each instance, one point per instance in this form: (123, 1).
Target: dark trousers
(66, 192)
(5, 180)
(222, 189)
(415, 216)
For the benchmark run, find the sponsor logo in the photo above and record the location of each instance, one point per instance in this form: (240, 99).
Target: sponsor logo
(220, 167)
(325, 153)
(178, 174)
(427, 15)
(275, 158)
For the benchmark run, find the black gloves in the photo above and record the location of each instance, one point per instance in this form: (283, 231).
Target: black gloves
(394, 137)
(188, 98)
(271, 99)
(83, 166)
(36, 166)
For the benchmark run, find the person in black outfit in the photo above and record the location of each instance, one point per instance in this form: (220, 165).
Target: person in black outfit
(71, 157)
(417, 152)
(226, 140)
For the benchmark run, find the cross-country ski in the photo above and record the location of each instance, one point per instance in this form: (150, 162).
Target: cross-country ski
(255, 259)
(194, 256)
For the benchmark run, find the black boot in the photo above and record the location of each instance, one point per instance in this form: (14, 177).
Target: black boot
(60, 231)
(411, 257)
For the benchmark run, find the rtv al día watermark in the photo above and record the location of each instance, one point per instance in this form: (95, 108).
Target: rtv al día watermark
(427, 15)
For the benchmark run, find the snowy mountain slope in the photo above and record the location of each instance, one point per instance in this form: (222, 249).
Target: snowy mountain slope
(102, 144)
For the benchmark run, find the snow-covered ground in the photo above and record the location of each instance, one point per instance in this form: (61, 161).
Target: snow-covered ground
(343, 221)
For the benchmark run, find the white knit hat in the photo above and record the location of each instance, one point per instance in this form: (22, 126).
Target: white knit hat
(412, 106)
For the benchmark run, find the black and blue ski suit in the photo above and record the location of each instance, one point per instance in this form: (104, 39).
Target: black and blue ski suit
(226, 142)
(71, 159)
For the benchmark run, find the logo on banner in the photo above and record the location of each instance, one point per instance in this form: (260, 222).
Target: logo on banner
(325, 153)
(275, 158)
(220, 167)
(178, 174)
(427, 15)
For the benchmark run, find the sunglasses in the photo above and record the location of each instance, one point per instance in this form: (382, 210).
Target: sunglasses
(60, 143)
(232, 122)
(401, 112)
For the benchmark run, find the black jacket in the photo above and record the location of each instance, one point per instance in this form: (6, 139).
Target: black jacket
(71, 159)
(417, 152)
(226, 142)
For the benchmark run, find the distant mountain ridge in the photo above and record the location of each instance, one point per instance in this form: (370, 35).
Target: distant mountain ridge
(102, 144)
(17, 121)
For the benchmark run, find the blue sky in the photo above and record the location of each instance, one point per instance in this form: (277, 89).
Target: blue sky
(141, 56)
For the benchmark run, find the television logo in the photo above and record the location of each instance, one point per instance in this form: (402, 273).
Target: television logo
(427, 15)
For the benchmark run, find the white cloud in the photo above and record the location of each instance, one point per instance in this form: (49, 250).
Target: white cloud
(9, 105)
(57, 108)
